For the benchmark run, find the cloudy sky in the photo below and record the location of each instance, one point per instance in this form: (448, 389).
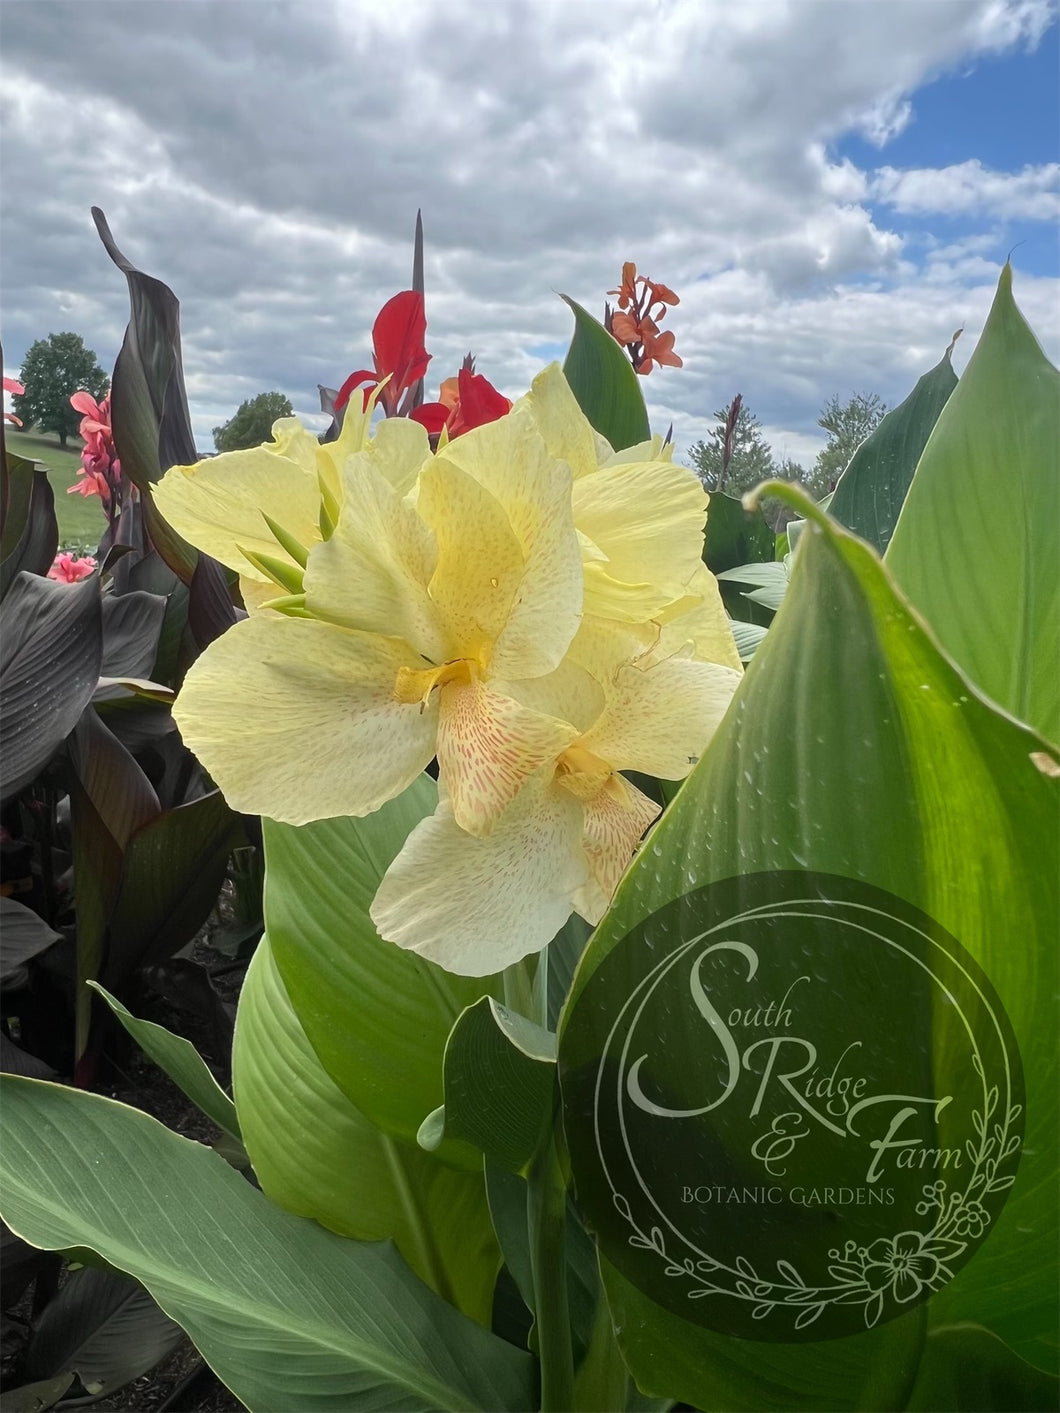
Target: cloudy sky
(830, 185)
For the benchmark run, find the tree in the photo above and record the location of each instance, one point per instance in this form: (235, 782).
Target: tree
(252, 424)
(52, 369)
(749, 458)
(847, 424)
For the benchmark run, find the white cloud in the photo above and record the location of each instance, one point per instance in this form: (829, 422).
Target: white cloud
(1032, 194)
(267, 162)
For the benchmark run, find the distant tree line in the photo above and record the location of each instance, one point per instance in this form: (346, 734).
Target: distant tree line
(736, 456)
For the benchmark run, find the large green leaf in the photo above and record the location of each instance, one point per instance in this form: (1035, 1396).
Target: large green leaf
(601, 377)
(377, 1016)
(854, 747)
(964, 1367)
(51, 646)
(288, 1314)
(734, 535)
(315, 1155)
(871, 490)
(978, 541)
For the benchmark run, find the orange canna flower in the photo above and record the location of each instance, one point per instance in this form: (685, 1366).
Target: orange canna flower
(636, 324)
(658, 348)
(625, 328)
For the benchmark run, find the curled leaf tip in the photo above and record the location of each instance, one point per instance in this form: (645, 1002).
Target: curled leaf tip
(790, 494)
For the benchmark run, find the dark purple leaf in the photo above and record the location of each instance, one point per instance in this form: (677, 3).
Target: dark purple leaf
(51, 647)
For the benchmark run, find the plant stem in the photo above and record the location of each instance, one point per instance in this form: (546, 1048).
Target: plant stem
(546, 1213)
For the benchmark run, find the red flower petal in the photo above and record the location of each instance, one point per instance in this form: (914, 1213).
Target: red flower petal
(432, 415)
(480, 402)
(364, 375)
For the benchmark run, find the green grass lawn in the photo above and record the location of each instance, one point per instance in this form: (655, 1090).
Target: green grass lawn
(81, 519)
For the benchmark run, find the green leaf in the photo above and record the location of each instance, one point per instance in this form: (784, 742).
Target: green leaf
(854, 747)
(50, 652)
(377, 1016)
(35, 1397)
(500, 1080)
(601, 377)
(870, 492)
(315, 1155)
(181, 1061)
(735, 536)
(978, 541)
(966, 1367)
(102, 1327)
(287, 1314)
(768, 578)
(670, 1357)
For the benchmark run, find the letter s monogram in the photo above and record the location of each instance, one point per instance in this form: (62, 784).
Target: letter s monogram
(714, 1020)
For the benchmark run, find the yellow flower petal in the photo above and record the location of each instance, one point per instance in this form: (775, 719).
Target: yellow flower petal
(480, 564)
(567, 432)
(217, 504)
(398, 450)
(570, 693)
(373, 574)
(487, 747)
(509, 459)
(654, 449)
(647, 517)
(701, 620)
(661, 707)
(615, 820)
(660, 718)
(475, 906)
(297, 719)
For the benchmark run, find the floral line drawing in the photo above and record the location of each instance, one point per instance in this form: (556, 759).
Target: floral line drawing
(904, 1268)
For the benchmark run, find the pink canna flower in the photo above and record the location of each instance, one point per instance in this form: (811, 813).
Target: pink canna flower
(100, 468)
(12, 385)
(68, 569)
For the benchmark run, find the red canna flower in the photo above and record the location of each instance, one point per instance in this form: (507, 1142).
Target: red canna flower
(466, 401)
(397, 352)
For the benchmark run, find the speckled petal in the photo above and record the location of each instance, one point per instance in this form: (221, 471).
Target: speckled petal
(297, 720)
(487, 747)
(475, 906)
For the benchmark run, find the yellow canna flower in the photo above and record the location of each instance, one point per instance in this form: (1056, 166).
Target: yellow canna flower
(422, 612)
(475, 905)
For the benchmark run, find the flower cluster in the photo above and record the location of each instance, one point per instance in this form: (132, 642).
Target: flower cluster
(523, 605)
(12, 385)
(400, 360)
(69, 569)
(100, 471)
(636, 322)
